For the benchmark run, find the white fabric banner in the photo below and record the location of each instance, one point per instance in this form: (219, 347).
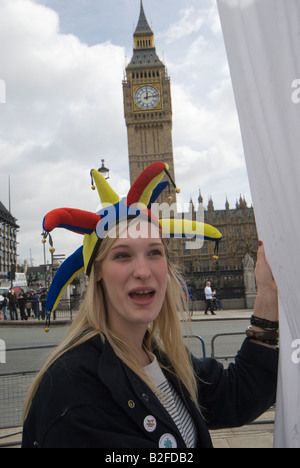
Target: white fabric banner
(262, 39)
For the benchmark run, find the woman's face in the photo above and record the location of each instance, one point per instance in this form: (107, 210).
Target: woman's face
(134, 277)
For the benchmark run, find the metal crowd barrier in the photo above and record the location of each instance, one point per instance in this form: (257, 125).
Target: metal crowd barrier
(199, 338)
(14, 386)
(215, 337)
(13, 389)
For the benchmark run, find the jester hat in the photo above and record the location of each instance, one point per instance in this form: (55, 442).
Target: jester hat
(95, 226)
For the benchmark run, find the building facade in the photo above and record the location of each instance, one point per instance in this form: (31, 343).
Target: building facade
(239, 242)
(8, 241)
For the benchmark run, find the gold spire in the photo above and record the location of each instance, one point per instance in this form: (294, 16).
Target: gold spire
(143, 36)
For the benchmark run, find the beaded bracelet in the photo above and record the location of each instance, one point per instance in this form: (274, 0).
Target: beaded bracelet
(269, 337)
(263, 323)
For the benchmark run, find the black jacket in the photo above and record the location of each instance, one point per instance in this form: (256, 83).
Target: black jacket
(90, 398)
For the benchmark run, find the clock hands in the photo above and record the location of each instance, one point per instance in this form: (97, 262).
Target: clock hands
(152, 96)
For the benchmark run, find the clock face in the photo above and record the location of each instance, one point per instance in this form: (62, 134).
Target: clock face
(147, 97)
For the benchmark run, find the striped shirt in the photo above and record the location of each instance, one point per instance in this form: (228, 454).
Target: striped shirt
(172, 402)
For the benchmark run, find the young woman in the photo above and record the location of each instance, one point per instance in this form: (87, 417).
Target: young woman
(122, 377)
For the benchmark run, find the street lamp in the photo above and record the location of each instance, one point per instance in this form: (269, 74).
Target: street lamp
(103, 170)
(44, 251)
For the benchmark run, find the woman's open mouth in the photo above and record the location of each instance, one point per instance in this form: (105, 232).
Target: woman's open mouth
(142, 296)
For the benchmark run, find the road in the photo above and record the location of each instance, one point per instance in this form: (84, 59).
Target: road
(31, 360)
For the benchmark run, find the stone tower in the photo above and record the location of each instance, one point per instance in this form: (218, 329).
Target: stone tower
(148, 106)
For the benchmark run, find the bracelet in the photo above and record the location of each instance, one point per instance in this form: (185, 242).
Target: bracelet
(269, 337)
(263, 323)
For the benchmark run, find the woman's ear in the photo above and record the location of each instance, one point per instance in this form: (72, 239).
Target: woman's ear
(99, 274)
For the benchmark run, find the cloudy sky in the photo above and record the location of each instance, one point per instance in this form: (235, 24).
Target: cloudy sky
(63, 62)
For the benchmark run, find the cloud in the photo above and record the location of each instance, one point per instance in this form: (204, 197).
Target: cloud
(195, 18)
(188, 24)
(207, 145)
(63, 114)
(198, 60)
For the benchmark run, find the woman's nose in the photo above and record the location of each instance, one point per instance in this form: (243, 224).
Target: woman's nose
(141, 270)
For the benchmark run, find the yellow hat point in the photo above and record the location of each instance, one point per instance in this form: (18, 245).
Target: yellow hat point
(47, 329)
(178, 190)
(44, 241)
(215, 257)
(52, 250)
(170, 199)
(107, 195)
(93, 187)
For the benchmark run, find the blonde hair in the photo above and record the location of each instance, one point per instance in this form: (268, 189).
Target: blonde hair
(164, 334)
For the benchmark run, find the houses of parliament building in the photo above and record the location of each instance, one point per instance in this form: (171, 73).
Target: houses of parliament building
(148, 117)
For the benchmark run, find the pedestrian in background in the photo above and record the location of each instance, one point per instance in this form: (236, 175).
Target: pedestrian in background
(4, 306)
(209, 299)
(28, 304)
(12, 304)
(216, 300)
(43, 299)
(22, 301)
(35, 304)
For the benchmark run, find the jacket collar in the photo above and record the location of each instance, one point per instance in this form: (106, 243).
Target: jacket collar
(127, 389)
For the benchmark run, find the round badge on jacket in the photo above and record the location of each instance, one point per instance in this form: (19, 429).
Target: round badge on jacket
(167, 441)
(150, 423)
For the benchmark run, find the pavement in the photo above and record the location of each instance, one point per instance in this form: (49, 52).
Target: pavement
(240, 314)
(257, 435)
(196, 316)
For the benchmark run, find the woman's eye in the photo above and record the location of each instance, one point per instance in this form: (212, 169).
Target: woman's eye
(121, 256)
(155, 252)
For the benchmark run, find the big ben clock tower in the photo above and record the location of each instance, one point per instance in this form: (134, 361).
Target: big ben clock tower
(147, 105)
